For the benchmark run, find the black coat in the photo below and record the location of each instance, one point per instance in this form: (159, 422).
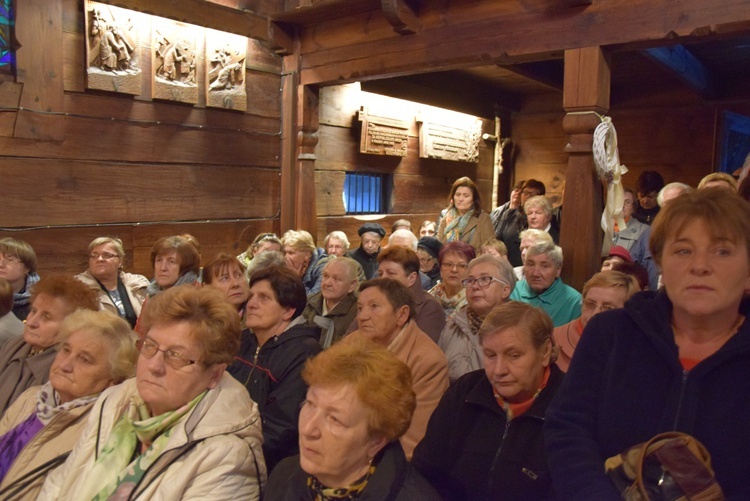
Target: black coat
(471, 451)
(369, 262)
(394, 480)
(272, 377)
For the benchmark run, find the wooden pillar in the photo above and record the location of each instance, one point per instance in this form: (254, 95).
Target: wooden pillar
(307, 139)
(586, 90)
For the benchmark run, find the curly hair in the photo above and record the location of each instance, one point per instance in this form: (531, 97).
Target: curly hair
(72, 291)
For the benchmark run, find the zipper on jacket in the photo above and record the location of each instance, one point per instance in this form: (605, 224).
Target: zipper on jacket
(497, 456)
(679, 401)
(255, 362)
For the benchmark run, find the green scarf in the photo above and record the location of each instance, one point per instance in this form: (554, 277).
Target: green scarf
(454, 229)
(115, 474)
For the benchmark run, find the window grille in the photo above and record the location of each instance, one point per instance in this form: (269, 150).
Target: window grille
(365, 193)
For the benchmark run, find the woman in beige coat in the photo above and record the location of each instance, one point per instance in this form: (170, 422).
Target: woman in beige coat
(464, 219)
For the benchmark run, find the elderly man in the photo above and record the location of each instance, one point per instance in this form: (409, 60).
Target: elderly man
(405, 238)
(336, 244)
(335, 306)
(367, 252)
(385, 309)
(543, 287)
(489, 282)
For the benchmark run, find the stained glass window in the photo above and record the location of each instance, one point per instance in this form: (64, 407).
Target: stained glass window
(6, 36)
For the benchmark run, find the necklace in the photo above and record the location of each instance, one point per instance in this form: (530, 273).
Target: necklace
(567, 335)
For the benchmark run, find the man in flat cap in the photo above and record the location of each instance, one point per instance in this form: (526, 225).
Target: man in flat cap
(367, 252)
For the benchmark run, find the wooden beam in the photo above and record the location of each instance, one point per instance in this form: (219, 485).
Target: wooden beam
(203, 13)
(682, 63)
(546, 73)
(289, 184)
(577, 3)
(402, 16)
(307, 138)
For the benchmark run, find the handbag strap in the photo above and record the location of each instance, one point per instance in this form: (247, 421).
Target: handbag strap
(645, 449)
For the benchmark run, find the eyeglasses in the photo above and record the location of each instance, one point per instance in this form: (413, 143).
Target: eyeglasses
(426, 260)
(9, 259)
(455, 266)
(588, 304)
(174, 359)
(483, 282)
(104, 255)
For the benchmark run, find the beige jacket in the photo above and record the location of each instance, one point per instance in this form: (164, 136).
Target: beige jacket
(483, 230)
(55, 439)
(214, 452)
(429, 371)
(134, 284)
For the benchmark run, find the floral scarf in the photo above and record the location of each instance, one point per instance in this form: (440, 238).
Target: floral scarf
(475, 321)
(455, 225)
(354, 491)
(450, 304)
(48, 406)
(115, 474)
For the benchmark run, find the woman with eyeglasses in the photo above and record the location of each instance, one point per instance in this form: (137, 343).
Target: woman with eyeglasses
(454, 260)
(119, 292)
(18, 267)
(488, 282)
(484, 440)
(183, 428)
(605, 291)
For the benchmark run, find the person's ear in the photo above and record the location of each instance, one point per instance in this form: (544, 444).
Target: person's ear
(352, 286)
(412, 277)
(217, 371)
(402, 315)
(288, 314)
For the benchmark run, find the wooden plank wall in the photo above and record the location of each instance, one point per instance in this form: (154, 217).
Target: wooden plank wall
(421, 186)
(139, 169)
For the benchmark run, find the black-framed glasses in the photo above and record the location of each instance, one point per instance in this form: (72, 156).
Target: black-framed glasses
(483, 282)
(172, 358)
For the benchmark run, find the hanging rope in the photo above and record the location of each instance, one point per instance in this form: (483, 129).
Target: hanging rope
(610, 171)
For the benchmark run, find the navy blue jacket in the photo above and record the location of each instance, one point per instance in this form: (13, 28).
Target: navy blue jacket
(626, 384)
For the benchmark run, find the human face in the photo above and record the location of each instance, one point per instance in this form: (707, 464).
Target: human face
(537, 219)
(525, 244)
(335, 247)
(164, 388)
(43, 323)
(491, 251)
(296, 260)
(167, 269)
(527, 193)
(704, 277)
(648, 200)
(600, 299)
(483, 299)
(610, 262)
(390, 269)
(267, 246)
(104, 263)
(453, 269)
(336, 282)
(628, 206)
(514, 366)
(515, 197)
(463, 199)
(376, 317)
(427, 230)
(232, 282)
(14, 271)
(82, 367)
(426, 262)
(540, 272)
(334, 442)
(264, 315)
(371, 242)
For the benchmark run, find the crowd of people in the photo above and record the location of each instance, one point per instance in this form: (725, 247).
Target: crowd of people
(452, 363)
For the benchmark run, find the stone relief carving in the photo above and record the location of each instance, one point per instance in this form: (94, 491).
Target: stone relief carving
(113, 59)
(225, 70)
(175, 61)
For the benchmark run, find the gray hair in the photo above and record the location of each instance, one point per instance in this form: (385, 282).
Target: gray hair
(682, 187)
(537, 235)
(264, 260)
(539, 201)
(338, 235)
(504, 269)
(553, 251)
(349, 264)
(405, 234)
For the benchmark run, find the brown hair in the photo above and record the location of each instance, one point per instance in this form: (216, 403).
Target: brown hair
(190, 259)
(396, 292)
(381, 381)
(494, 243)
(286, 286)
(727, 216)
(407, 258)
(532, 320)
(114, 241)
(466, 182)
(20, 249)
(214, 323)
(612, 278)
(221, 263)
(73, 292)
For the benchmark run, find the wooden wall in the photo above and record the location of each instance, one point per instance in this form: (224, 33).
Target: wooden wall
(421, 186)
(131, 167)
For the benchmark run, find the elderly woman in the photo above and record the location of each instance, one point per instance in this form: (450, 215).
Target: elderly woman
(464, 219)
(262, 243)
(227, 274)
(673, 359)
(25, 360)
(543, 287)
(304, 259)
(336, 244)
(488, 283)
(39, 430)
(428, 252)
(119, 292)
(454, 260)
(627, 237)
(182, 428)
(359, 403)
(538, 211)
(484, 440)
(176, 261)
(18, 266)
(605, 291)
(494, 247)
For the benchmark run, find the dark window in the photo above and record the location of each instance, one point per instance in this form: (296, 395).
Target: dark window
(366, 193)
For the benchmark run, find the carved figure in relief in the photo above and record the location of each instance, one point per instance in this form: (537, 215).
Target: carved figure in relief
(227, 78)
(111, 50)
(176, 61)
(226, 69)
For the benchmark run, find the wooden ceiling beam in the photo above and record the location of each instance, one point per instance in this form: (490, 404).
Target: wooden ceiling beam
(686, 67)
(402, 16)
(543, 73)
